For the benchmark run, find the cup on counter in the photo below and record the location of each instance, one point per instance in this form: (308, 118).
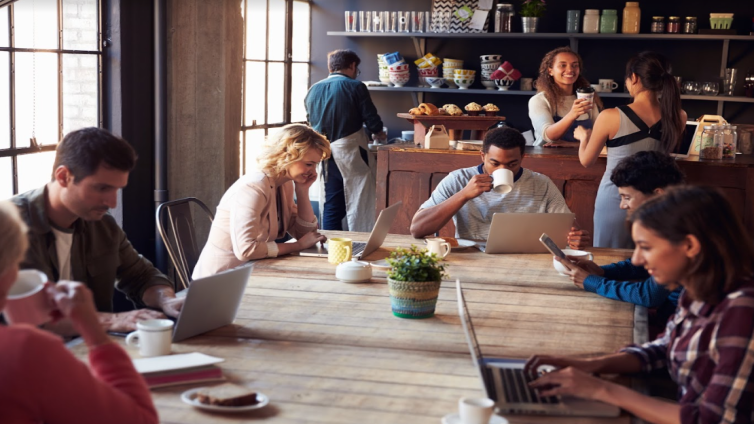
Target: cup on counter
(596, 87)
(153, 337)
(28, 302)
(438, 246)
(570, 252)
(339, 250)
(502, 181)
(526, 84)
(475, 410)
(608, 85)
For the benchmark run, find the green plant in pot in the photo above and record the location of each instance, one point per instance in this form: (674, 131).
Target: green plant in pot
(414, 282)
(531, 11)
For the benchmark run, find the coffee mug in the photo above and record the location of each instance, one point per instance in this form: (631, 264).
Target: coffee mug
(526, 84)
(608, 85)
(28, 301)
(502, 181)
(438, 246)
(475, 410)
(597, 88)
(570, 252)
(339, 250)
(152, 336)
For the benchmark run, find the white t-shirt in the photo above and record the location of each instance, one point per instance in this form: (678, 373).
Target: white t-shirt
(63, 243)
(532, 193)
(541, 114)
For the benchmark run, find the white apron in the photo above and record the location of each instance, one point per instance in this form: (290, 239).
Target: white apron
(359, 181)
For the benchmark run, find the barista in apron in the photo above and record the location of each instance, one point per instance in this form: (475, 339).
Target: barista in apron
(568, 135)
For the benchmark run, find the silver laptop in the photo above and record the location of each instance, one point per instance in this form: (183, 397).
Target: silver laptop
(211, 302)
(506, 383)
(519, 232)
(376, 237)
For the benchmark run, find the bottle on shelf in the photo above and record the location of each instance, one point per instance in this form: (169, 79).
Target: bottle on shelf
(573, 21)
(658, 25)
(591, 21)
(690, 26)
(674, 25)
(609, 21)
(504, 17)
(631, 17)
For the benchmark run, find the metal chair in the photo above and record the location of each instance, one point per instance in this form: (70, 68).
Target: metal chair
(179, 235)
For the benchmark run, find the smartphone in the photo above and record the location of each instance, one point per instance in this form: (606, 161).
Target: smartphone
(551, 246)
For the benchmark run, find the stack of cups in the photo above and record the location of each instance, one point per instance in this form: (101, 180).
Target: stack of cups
(427, 67)
(397, 68)
(448, 68)
(384, 72)
(490, 62)
(464, 78)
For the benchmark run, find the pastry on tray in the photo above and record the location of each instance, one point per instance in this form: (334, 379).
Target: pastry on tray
(429, 109)
(453, 110)
(473, 109)
(416, 111)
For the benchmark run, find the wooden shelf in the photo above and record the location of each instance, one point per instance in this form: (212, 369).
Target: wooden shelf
(542, 35)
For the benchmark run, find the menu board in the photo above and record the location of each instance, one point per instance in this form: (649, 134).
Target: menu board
(459, 22)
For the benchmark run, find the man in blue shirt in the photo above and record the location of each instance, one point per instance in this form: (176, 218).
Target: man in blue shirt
(338, 107)
(638, 177)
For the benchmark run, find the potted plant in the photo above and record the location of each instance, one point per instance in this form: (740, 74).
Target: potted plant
(531, 11)
(414, 282)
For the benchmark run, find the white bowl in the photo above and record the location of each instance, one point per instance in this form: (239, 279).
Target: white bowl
(570, 252)
(503, 84)
(435, 82)
(489, 85)
(464, 82)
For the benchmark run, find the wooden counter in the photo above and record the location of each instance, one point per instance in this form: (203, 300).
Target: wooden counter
(410, 174)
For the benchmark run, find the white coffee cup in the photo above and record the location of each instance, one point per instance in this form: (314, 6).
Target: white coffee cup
(570, 252)
(153, 337)
(608, 85)
(438, 246)
(526, 84)
(475, 410)
(27, 300)
(597, 88)
(502, 181)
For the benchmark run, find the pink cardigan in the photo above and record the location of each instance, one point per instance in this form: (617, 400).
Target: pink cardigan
(40, 381)
(246, 224)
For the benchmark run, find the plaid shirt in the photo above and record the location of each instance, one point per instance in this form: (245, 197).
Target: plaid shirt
(709, 351)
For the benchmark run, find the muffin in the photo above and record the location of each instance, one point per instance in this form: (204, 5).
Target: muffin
(473, 109)
(490, 109)
(452, 110)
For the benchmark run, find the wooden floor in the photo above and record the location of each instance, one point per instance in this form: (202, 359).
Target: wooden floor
(331, 352)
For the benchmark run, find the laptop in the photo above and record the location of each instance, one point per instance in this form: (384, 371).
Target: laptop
(519, 232)
(376, 237)
(506, 383)
(211, 302)
(683, 148)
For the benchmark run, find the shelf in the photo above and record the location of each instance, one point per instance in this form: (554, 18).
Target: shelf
(732, 99)
(542, 35)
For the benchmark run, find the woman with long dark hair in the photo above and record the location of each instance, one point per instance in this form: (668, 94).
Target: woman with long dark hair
(554, 110)
(690, 237)
(653, 121)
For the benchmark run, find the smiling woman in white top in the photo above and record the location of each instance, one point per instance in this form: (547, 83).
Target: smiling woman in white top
(259, 208)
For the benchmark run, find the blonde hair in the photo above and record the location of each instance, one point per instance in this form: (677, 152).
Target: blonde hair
(14, 242)
(290, 145)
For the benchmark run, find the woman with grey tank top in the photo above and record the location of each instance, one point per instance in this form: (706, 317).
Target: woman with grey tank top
(653, 121)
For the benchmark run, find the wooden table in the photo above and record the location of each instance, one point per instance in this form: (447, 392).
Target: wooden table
(331, 352)
(455, 125)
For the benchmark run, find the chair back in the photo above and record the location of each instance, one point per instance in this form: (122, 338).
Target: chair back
(177, 228)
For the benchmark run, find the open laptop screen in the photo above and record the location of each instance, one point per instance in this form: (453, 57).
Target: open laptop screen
(484, 372)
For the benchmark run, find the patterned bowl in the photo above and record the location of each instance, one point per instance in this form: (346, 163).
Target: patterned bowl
(435, 82)
(464, 82)
(490, 58)
(452, 63)
(464, 73)
(429, 72)
(399, 79)
(398, 68)
(490, 66)
(488, 84)
(504, 84)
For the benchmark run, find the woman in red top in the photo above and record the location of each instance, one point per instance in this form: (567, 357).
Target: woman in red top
(691, 236)
(40, 380)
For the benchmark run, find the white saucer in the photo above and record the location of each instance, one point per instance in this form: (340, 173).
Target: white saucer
(455, 419)
(381, 264)
(464, 244)
(189, 397)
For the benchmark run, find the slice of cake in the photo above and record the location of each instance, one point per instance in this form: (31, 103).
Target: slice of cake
(227, 394)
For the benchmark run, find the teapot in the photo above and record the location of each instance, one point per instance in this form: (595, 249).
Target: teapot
(355, 271)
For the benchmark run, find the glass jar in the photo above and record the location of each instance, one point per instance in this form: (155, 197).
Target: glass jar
(609, 21)
(573, 21)
(591, 21)
(690, 26)
(504, 17)
(730, 141)
(712, 143)
(631, 17)
(658, 25)
(674, 25)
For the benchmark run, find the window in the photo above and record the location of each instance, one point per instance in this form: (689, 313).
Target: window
(50, 75)
(276, 70)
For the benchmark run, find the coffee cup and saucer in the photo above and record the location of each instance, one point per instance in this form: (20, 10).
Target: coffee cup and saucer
(474, 411)
(28, 301)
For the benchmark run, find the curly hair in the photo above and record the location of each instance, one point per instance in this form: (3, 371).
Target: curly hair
(546, 83)
(647, 171)
(15, 242)
(290, 145)
(504, 138)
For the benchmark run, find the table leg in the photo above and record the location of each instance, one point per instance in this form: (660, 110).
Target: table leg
(419, 132)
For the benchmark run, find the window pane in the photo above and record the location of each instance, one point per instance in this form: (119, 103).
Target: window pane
(80, 92)
(256, 29)
(275, 93)
(34, 170)
(301, 24)
(299, 87)
(80, 24)
(276, 43)
(36, 24)
(36, 98)
(254, 85)
(4, 100)
(254, 146)
(4, 34)
(6, 178)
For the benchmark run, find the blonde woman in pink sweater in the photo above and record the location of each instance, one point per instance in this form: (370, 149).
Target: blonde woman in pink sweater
(40, 380)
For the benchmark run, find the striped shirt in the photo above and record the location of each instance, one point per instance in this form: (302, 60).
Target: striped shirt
(532, 193)
(709, 352)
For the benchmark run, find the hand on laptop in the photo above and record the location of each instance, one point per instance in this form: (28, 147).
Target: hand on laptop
(477, 185)
(125, 322)
(570, 381)
(531, 368)
(579, 239)
(310, 239)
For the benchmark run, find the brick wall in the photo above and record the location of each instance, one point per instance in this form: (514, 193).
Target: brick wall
(80, 86)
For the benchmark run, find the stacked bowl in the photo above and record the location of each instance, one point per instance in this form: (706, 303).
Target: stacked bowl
(448, 70)
(464, 78)
(427, 67)
(399, 74)
(384, 73)
(490, 62)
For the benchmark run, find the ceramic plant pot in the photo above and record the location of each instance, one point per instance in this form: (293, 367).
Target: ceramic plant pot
(412, 299)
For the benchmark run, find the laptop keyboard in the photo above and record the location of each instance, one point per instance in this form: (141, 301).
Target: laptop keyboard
(358, 248)
(517, 390)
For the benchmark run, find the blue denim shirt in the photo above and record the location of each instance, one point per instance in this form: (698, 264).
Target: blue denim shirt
(646, 292)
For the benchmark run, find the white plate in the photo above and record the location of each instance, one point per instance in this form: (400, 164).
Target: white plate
(189, 397)
(463, 244)
(455, 419)
(381, 264)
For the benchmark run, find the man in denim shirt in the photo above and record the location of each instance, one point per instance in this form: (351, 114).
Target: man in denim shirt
(638, 177)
